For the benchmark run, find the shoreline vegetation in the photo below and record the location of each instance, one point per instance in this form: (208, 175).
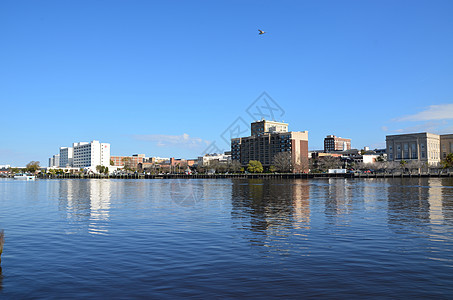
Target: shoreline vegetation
(246, 176)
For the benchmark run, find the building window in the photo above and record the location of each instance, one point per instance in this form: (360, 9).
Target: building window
(406, 151)
(398, 152)
(414, 151)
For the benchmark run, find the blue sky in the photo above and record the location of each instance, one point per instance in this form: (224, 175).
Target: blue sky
(171, 78)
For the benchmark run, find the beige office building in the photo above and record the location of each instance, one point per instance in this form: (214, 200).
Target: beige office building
(423, 147)
(446, 145)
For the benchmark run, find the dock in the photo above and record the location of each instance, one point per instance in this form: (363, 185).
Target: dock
(247, 176)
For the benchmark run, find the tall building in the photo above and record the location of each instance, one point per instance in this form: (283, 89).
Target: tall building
(66, 156)
(335, 143)
(54, 161)
(266, 140)
(423, 147)
(91, 154)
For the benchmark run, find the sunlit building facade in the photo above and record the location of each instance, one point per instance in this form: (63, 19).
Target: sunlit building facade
(66, 156)
(422, 147)
(91, 154)
(335, 143)
(266, 140)
(446, 145)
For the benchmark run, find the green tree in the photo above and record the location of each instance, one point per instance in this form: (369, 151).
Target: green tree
(272, 169)
(101, 169)
(448, 161)
(14, 170)
(255, 166)
(32, 166)
(403, 164)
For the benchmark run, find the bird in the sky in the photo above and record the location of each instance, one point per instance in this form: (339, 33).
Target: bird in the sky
(261, 32)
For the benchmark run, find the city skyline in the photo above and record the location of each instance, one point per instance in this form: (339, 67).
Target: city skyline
(173, 80)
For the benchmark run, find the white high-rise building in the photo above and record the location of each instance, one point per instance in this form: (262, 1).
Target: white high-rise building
(66, 156)
(54, 161)
(91, 154)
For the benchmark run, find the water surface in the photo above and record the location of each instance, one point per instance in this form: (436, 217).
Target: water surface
(328, 238)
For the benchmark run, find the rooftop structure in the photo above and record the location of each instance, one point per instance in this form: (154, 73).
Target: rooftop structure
(265, 126)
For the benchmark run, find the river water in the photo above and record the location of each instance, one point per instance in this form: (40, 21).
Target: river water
(225, 238)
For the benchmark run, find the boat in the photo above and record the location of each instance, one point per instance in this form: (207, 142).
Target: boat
(24, 176)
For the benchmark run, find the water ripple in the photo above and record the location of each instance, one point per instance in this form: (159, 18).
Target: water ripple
(382, 238)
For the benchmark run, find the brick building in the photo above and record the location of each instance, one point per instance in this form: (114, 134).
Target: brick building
(335, 143)
(131, 161)
(266, 140)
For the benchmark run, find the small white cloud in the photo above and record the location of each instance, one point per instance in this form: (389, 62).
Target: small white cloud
(439, 127)
(384, 128)
(163, 140)
(433, 112)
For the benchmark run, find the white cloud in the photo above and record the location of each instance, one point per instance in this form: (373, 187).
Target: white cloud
(433, 112)
(439, 127)
(162, 140)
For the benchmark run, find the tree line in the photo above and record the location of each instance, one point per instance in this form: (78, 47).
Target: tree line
(282, 163)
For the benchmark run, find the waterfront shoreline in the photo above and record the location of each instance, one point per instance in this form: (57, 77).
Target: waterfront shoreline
(246, 176)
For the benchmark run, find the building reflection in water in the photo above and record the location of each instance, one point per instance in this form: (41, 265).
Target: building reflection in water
(421, 201)
(271, 210)
(408, 203)
(86, 203)
(1, 278)
(337, 198)
(301, 204)
(343, 197)
(423, 206)
(447, 199)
